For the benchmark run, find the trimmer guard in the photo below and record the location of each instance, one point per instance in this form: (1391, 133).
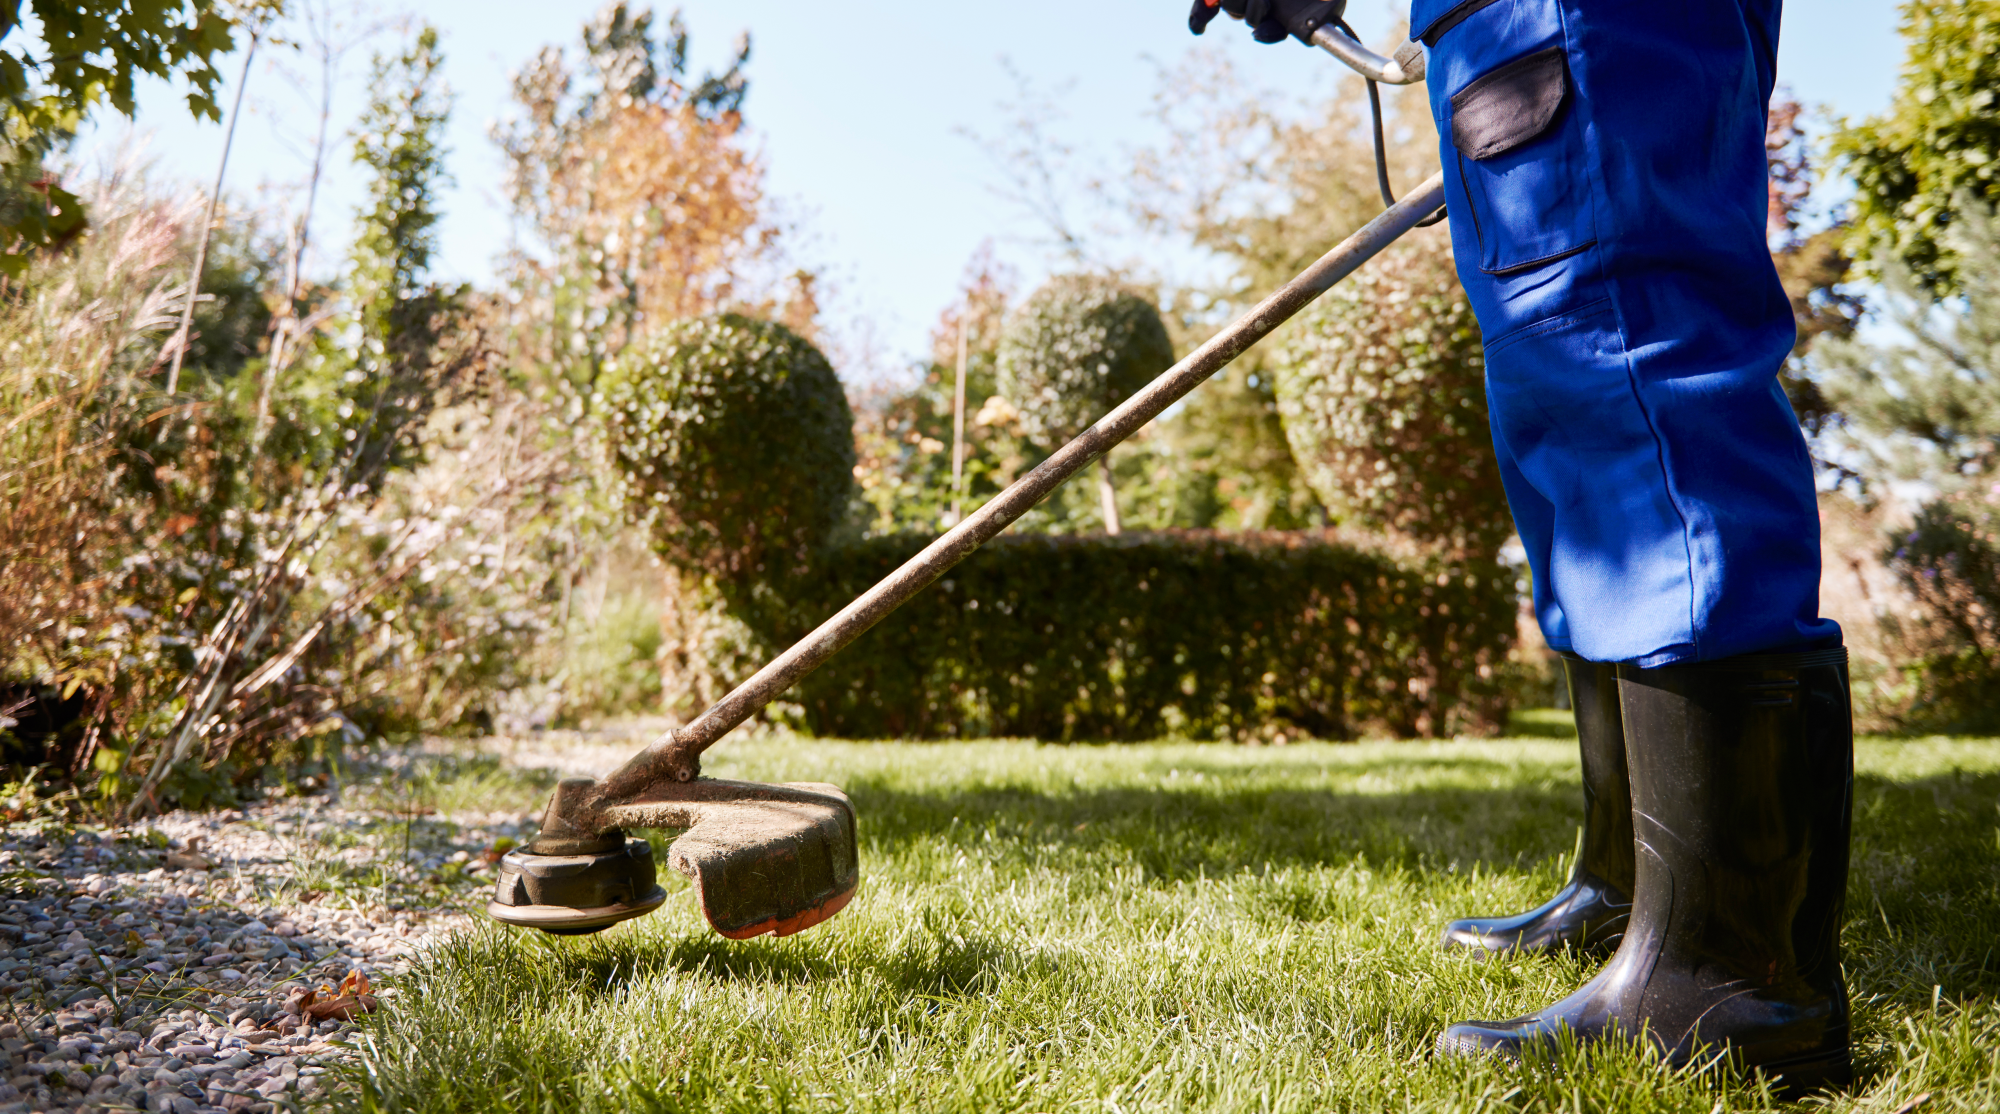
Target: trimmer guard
(763, 858)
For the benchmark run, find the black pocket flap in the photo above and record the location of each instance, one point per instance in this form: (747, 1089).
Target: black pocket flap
(1430, 19)
(1511, 105)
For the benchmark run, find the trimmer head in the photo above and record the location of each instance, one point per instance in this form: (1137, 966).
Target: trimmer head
(577, 894)
(763, 858)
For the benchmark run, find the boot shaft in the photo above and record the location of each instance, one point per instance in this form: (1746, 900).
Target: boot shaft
(1607, 787)
(1742, 788)
(1741, 781)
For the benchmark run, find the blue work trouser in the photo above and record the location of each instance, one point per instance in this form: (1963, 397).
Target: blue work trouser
(1605, 171)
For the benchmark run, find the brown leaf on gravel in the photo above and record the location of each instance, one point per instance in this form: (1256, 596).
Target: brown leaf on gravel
(347, 1007)
(189, 857)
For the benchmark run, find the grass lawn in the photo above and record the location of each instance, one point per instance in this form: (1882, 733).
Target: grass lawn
(1170, 927)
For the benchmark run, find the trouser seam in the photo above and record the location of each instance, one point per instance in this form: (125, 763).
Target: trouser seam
(1601, 209)
(1660, 456)
(1607, 249)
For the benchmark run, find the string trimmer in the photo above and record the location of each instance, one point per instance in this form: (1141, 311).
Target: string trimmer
(780, 858)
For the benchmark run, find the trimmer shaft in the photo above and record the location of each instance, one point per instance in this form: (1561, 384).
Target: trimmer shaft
(607, 880)
(781, 858)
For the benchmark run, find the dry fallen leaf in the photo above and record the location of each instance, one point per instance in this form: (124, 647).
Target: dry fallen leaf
(347, 1007)
(349, 1002)
(188, 858)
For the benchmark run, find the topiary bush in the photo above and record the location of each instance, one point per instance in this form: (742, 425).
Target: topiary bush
(1077, 347)
(1381, 389)
(1189, 633)
(737, 441)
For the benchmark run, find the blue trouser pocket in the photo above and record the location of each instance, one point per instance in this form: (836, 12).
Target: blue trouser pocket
(1505, 102)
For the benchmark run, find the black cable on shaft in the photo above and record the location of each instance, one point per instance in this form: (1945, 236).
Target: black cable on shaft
(1381, 146)
(1381, 142)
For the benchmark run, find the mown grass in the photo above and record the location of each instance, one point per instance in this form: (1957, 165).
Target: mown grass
(1178, 927)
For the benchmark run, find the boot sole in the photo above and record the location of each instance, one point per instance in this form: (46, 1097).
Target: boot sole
(1790, 1079)
(1802, 1075)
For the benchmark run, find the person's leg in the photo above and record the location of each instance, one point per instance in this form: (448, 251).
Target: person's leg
(1676, 101)
(1742, 779)
(1605, 177)
(1589, 913)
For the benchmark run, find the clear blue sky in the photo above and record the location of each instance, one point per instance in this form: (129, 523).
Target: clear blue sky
(861, 109)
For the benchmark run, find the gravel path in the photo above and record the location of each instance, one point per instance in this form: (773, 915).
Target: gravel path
(167, 966)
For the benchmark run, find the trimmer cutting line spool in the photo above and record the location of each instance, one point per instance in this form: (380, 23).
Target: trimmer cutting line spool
(781, 858)
(576, 894)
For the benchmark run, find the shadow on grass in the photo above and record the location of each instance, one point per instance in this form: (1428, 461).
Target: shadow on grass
(1924, 890)
(949, 958)
(1541, 723)
(1183, 832)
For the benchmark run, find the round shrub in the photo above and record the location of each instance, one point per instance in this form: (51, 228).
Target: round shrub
(1077, 347)
(736, 437)
(1382, 393)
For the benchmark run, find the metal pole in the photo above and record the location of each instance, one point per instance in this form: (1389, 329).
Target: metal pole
(958, 428)
(676, 753)
(1406, 68)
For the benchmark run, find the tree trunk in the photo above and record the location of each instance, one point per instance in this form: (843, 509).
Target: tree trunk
(1107, 494)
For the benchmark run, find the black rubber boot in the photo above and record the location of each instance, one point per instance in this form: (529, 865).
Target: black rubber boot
(1742, 779)
(1588, 913)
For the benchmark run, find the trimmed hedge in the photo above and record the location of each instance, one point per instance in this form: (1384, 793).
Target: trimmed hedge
(1188, 633)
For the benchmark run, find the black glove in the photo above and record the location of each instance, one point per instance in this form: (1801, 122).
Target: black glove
(1271, 20)
(1206, 10)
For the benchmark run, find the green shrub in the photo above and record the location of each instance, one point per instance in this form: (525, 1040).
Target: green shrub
(1185, 633)
(1383, 398)
(736, 437)
(1077, 347)
(1920, 167)
(236, 594)
(1949, 562)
